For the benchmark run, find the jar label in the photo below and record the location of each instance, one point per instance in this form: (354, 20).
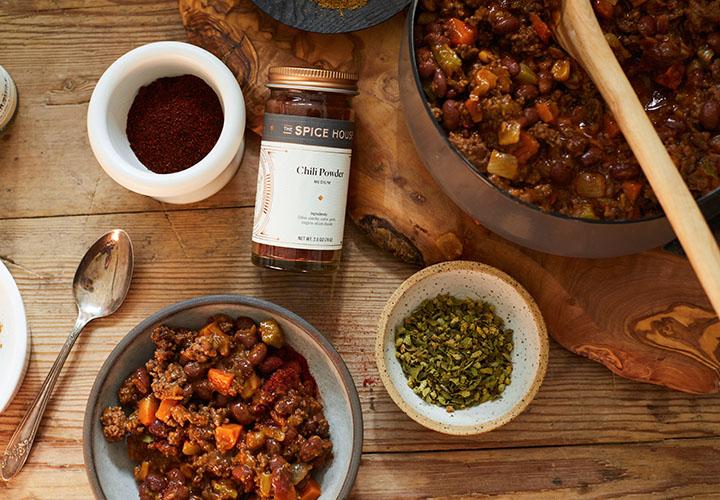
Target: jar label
(303, 182)
(8, 98)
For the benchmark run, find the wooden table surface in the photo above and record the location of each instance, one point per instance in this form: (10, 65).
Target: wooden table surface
(587, 433)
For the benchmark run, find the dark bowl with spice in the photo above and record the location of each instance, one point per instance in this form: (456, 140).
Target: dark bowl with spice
(331, 16)
(535, 155)
(167, 120)
(109, 465)
(461, 348)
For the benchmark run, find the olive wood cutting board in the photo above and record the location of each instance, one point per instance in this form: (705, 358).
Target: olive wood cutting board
(644, 316)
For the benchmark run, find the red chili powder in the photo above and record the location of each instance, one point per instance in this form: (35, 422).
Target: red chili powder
(174, 122)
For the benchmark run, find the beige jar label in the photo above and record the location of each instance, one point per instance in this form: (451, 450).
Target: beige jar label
(8, 98)
(301, 196)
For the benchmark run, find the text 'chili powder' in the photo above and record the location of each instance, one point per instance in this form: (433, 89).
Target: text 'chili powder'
(174, 122)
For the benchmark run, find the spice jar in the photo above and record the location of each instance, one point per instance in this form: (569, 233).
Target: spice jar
(304, 169)
(8, 98)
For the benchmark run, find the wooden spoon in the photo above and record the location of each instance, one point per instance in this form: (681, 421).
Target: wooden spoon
(578, 31)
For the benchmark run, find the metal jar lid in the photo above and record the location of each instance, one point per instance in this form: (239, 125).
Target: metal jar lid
(8, 98)
(292, 77)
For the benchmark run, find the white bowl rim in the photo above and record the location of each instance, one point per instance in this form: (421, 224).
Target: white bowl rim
(13, 373)
(217, 160)
(275, 310)
(384, 329)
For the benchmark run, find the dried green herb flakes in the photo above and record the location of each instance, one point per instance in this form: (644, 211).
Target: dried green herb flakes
(455, 352)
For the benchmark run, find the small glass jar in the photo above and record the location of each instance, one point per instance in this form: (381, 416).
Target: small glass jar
(304, 169)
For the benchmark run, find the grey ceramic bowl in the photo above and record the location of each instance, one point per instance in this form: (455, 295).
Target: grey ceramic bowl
(110, 470)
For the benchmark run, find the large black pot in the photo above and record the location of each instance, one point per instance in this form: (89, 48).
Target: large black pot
(497, 210)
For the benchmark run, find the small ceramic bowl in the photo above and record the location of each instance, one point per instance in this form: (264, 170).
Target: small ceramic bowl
(513, 304)
(109, 469)
(110, 104)
(14, 339)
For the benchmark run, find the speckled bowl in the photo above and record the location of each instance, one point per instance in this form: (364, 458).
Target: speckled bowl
(110, 470)
(514, 305)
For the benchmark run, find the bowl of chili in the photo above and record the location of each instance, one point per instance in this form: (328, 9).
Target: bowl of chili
(167, 120)
(516, 133)
(109, 465)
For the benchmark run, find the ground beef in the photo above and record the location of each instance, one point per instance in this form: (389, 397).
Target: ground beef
(523, 112)
(203, 388)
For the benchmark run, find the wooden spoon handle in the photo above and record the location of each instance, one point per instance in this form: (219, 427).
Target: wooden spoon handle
(579, 33)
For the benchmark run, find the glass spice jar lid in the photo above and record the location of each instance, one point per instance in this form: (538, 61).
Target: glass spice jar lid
(313, 79)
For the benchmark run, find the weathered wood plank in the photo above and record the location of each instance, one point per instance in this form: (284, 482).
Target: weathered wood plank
(662, 470)
(185, 254)
(670, 469)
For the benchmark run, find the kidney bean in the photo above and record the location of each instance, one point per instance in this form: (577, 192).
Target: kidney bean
(434, 27)
(141, 381)
(715, 144)
(713, 41)
(272, 447)
(675, 124)
(203, 389)
(624, 171)
(647, 26)
(451, 114)
(561, 173)
(505, 24)
(527, 92)
(176, 492)
(311, 449)
(710, 115)
(176, 476)
(531, 116)
(426, 62)
(511, 65)
(439, 83)
(270, 365)
(545, 82)
(436, 39)
(155, 482)
(592, 156)
(664, 53)
(257, 354)
(245, 324)
(241, 413)
(221, 400)
(194, 370)
(158, 428)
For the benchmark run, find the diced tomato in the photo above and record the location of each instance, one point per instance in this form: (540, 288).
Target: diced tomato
(632, 190)
(461, 33)
(526, 148)
(541, 28)
(226, 436)
(163, 412)
(473, 107)
(311, 491)
(147, 407)
(610, 126)
(547, 111)
(673, 77)
(220, 380)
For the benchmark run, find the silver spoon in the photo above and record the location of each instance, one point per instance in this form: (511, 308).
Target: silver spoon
(102, 281)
